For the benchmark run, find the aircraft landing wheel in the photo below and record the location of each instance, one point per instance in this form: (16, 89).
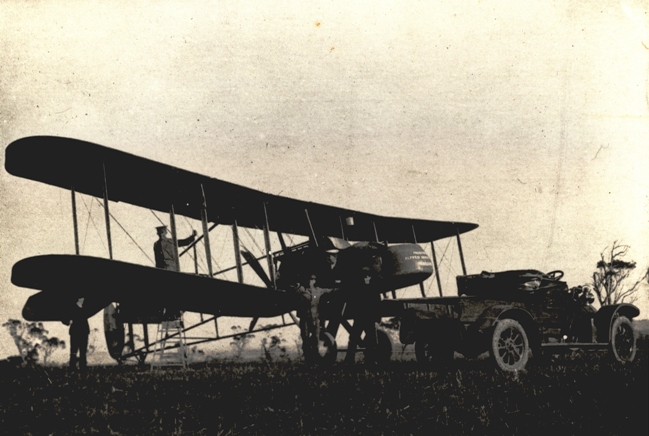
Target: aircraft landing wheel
(322, 352)
(141, 359)
(329, 343)
(114, 332)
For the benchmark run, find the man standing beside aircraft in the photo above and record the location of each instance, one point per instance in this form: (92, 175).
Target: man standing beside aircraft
(165, 252)
(321, 281)
(365, 299)
(310, 274)
(79, 331)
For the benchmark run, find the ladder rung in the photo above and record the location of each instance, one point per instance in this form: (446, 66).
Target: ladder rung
(170, 350)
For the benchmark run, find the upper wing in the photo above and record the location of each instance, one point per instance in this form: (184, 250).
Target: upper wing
(73, 164)
(65, 278)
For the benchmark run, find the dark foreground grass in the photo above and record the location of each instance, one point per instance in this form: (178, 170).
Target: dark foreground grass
(570, 395)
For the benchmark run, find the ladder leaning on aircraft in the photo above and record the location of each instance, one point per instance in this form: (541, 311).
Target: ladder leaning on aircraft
(351, 258)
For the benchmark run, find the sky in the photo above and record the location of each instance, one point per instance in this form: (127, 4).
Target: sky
(529, 119)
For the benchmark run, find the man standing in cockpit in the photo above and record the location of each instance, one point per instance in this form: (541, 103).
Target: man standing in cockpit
(165, 252)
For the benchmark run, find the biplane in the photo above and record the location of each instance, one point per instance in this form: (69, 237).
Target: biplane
(347, 263)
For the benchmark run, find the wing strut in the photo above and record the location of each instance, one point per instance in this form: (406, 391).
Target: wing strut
(237, 251)
(197, 240)
(107, 215)
(281, 241)
(126, 232)
(439, 282)
(459, 246)
(174, 235)
(206, 233)
(421, 284)
(74, 221)
(315, 240)
(269, 256)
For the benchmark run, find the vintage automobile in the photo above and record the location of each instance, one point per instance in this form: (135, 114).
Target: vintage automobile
(513, 315)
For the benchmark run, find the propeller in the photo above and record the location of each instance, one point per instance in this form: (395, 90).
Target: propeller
(257, 268)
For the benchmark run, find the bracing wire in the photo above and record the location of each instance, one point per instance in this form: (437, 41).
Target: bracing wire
(439, 264)
(85, 234)
(200, 258)
(218, 266)
(204, 265)
(190, 226)
(187, 221)
(93, 223)
(253, 240)
(445, 250)
(156, 217)
(204, 261)
(451, 270)
(126, 232)
(222, 249)
(432, 278)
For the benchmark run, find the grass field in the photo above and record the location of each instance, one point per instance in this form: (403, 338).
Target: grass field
(566, 395)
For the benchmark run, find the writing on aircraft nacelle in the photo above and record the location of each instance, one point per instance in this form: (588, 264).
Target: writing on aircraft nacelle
(384, 268)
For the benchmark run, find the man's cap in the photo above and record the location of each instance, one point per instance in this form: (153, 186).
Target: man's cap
(160, 228)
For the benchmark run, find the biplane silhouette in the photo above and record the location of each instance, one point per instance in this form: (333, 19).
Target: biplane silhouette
(337, 277)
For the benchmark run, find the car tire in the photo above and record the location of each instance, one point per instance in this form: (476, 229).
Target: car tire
(510, 347)
(623, 340)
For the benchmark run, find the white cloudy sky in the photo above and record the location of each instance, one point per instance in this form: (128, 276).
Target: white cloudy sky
(528, 119)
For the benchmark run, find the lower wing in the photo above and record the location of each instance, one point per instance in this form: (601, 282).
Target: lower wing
(62, 279)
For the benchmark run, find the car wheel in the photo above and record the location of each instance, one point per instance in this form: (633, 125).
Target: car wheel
(510, 348)
(623, 340)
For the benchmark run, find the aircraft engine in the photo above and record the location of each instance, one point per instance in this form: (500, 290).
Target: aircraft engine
(383, 268)
(405, 265)
(363, 263)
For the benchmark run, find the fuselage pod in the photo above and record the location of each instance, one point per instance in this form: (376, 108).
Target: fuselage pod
(406, 265)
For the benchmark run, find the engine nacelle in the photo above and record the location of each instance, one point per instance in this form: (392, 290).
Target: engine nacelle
(405, 265)
(383, 268)
(364, 263)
